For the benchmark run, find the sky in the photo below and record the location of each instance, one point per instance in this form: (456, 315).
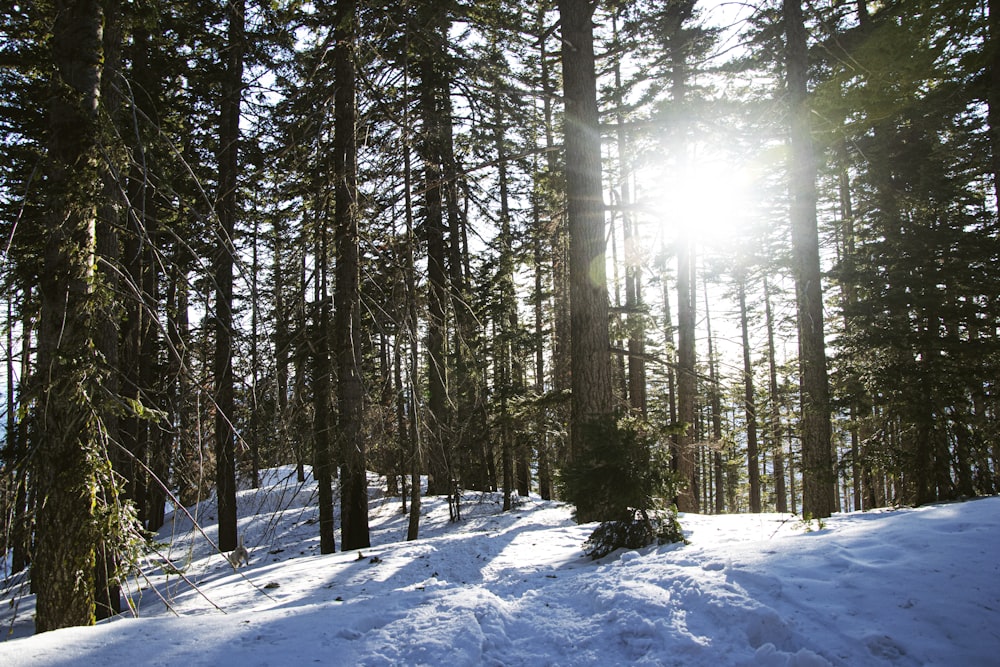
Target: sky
(899, 587)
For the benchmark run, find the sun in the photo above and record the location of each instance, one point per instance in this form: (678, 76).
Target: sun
(710, 201)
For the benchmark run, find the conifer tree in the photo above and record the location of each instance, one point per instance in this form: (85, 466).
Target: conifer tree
(592, 408)
(227, 211)
(70, 463)
(817, 465)
(354, 479)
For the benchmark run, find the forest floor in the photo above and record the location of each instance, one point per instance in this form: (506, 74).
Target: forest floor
(885, 587)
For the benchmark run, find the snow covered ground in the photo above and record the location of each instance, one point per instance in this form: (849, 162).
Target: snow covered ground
(905, 587)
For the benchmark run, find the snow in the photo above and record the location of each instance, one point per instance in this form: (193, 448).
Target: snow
(887, 587)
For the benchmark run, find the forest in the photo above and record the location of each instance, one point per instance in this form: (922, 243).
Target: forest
(643, 256)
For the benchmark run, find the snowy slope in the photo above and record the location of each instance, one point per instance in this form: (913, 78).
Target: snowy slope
(905, 587)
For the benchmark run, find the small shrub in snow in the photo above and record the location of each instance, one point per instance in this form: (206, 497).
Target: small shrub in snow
(642, 529)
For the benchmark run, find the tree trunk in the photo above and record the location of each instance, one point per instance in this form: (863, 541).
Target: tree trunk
(69, 456)
(590, 342)
(353, 478)
(109, 219)
(635, 320)
(25, 493)
(229, 136)
(188, 466)
(16, 451)
(505, 383)
(687, 380)
(715, 397)
(555, 232)
(818, 479)
(153, 442)
(283, 349)
(780, 491)
(543, 446)
(322, 458)
(670, 346)
(254, 427)
(410, 320)
(434, 87)
(749, 403)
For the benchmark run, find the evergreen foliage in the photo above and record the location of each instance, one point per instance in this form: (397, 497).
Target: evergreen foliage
(621, 477)
(642, 529)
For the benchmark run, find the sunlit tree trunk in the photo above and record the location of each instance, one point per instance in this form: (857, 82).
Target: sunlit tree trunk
(544, 445)
(282, 338)
(254, 429)
(554, 220)
(635, 320)
(544, 223)
(671, 354)
(687, 384)
(20, 530)
(25, 493)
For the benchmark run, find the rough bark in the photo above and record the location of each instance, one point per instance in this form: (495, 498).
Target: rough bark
(818, 479)
(347, 325)
(69, 455)
(590, 342)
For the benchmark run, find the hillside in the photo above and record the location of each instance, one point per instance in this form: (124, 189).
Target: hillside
(904, 587)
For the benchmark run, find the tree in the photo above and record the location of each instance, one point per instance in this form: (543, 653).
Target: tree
(680, 43)
(353, 478)
(434, 104)
(918, 230)
(70, 460)
(774, 405)
(590, 341)
(227, 211)
(749, 398)
(715, 403)
(818, 479)
(108, 590)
